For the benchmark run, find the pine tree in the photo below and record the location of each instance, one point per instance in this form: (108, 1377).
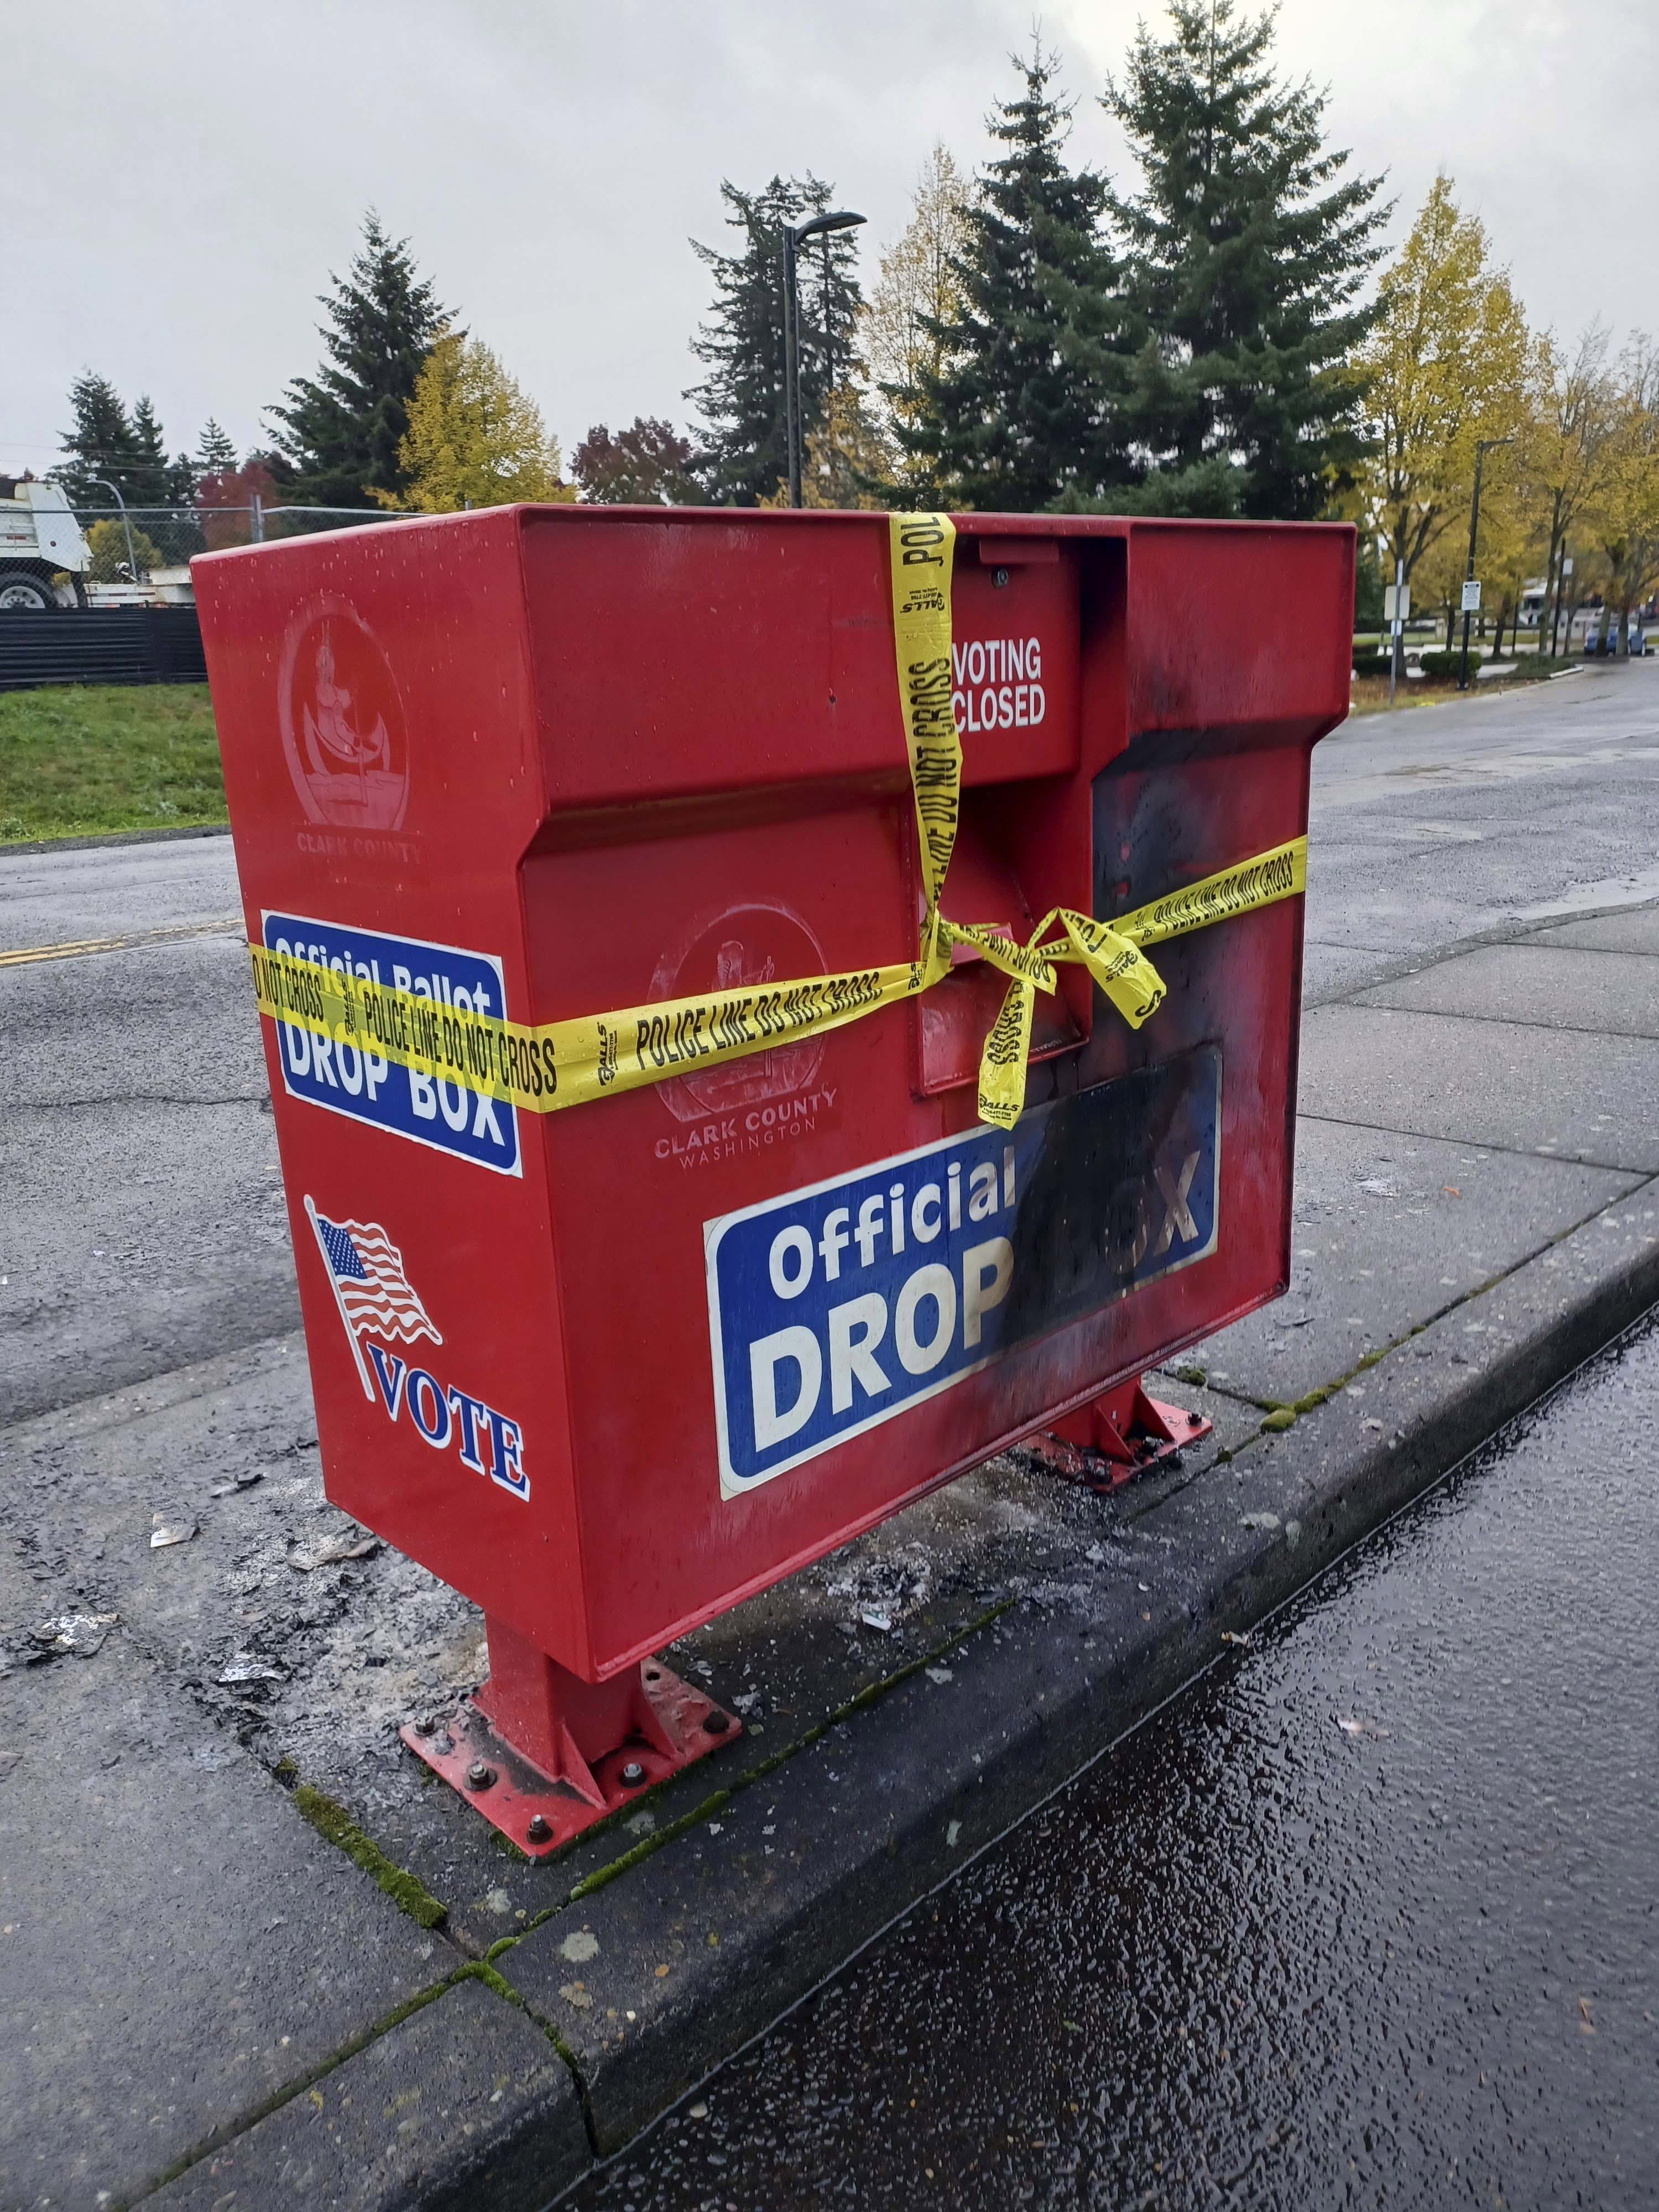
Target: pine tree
(1018, 412)
(745, 454)
(101, 445)
(216, 455)
(1246, 249)
(340, 433)
(153, 478)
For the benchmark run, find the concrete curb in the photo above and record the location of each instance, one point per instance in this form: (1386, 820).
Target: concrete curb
(659, 1977)
(101, 837)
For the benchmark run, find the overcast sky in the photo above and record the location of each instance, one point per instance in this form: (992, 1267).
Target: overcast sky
(184, 174)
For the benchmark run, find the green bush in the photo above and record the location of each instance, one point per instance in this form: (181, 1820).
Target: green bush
(1438, 667)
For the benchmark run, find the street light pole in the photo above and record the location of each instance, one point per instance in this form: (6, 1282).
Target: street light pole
(791, 367)
(1482, 447)
(103, 484)
(795, 236)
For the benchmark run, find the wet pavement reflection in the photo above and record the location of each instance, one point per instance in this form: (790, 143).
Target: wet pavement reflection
(1370, 1916)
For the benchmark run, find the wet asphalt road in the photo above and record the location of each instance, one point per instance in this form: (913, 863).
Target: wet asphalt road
(1370, 1916)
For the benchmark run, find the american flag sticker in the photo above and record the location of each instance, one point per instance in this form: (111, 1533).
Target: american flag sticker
(379, 1307)
(373, 1292)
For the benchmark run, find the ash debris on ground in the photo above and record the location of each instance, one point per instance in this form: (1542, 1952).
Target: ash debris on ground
(290, 1626)
(303, 1637)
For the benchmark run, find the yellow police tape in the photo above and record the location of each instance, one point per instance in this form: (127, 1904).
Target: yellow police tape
(550, 1065)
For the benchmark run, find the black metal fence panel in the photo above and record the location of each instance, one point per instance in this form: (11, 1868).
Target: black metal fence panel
(100, 645)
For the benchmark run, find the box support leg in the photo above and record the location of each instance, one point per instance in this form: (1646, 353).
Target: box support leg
(1116, 1436)
(544, 1754)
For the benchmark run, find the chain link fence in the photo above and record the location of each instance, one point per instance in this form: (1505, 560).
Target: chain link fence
(141, 555)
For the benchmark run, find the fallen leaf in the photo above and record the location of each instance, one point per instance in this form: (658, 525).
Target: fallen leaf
(1235, 1636)
(1451, 1190)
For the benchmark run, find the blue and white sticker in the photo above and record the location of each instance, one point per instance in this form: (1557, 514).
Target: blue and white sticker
(330, 1073)
(836, 1308)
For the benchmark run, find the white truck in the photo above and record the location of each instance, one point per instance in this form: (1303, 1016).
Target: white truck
(44, 558)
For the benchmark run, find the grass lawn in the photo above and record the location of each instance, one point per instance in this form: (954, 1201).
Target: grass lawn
(80, 759)
(1369, 694)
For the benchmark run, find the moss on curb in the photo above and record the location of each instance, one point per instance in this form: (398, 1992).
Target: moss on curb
(1282, 1417)
(333, 1822)
(649, 1844)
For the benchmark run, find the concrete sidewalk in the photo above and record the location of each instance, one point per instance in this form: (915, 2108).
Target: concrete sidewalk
(249, 1956)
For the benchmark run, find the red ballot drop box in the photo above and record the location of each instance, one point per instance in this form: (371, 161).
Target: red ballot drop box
(609, 1369)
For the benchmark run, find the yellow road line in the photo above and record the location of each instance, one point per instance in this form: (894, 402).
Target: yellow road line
(79, 947)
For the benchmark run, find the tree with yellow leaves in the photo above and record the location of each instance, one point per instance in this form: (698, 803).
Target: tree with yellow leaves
(918, 293)
(475, 439)
(850, 460)
(1623, 512)
(1445, 367)
(1573, 408)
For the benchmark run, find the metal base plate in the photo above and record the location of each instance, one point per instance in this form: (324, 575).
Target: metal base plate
(541, 1815)
(1158, 1432)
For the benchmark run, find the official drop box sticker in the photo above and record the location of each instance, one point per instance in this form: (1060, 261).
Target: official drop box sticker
(835, 1308)
(345, 1078)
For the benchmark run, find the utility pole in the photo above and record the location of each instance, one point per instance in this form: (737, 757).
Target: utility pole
(1482, 447)
(794, 237)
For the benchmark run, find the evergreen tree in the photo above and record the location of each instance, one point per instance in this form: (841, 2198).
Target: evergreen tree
(153, 474)
(746, 455)
(1247, 248)
(216, 455)
(1016, 410)
(101, 444)
(341, 432)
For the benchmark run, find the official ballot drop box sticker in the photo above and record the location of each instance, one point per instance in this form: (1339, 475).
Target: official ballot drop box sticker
(364, 1086)
(833, 1308)
(607, 1370)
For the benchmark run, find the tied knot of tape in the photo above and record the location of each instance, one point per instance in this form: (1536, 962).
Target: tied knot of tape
(546, 1066)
